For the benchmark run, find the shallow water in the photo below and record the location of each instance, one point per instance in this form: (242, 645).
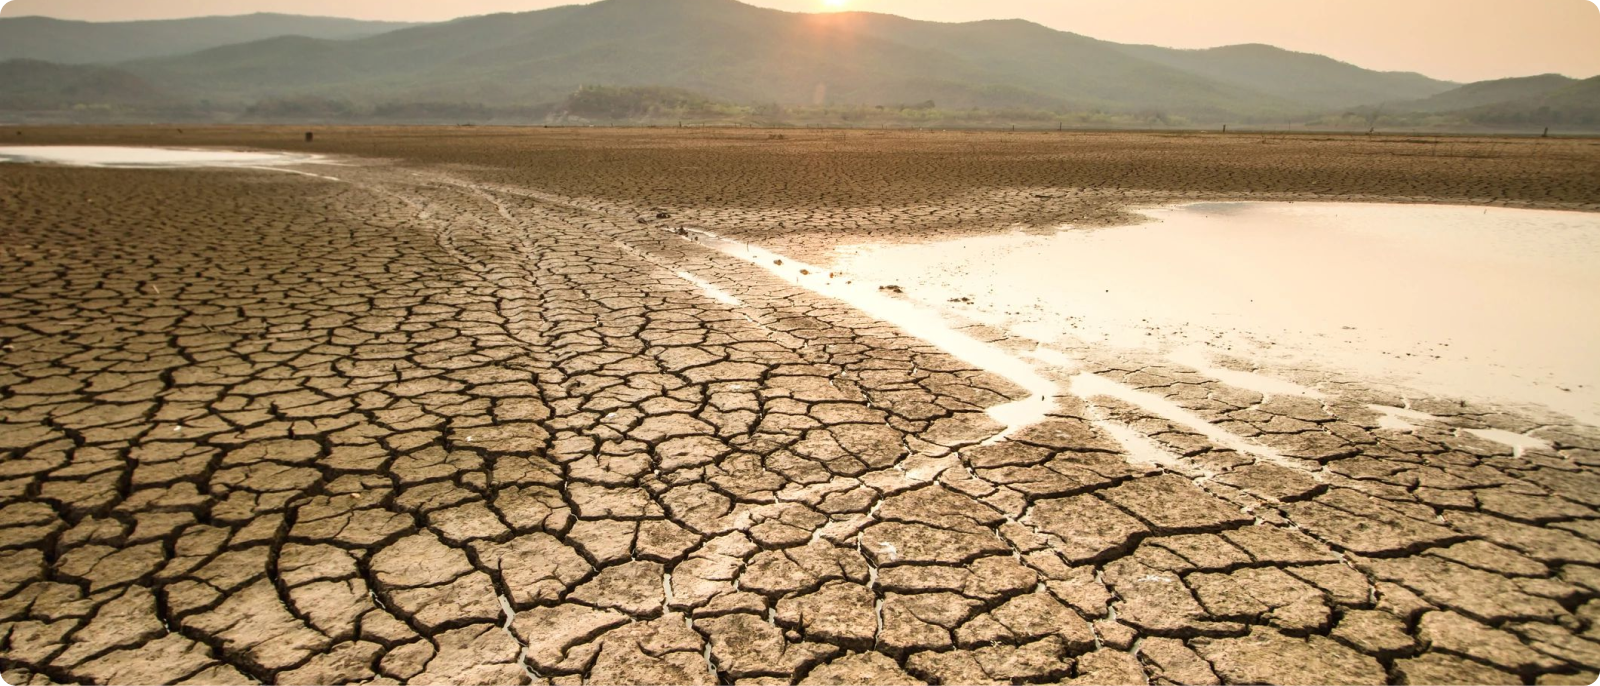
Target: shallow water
(1494, 304)
(910, 317)
(137, 157)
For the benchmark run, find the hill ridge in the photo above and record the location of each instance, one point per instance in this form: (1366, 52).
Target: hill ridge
(726, 51)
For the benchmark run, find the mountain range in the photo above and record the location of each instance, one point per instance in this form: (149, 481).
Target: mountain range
(720, 51)
(82, 42)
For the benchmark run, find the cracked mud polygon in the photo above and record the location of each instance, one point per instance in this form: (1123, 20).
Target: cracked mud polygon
(488, 407)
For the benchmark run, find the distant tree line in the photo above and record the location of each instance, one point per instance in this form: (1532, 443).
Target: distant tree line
(651, 105)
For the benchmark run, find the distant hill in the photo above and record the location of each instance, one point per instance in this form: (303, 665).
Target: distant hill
(732, 52)
(82, 42)
(1484, 93)
(1314, 80)
(1576, 104)
(27, 85)
(1013, 57)
(1527, 104)
(722, 60)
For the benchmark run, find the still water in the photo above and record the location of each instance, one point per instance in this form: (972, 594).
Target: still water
(1486, 303)
(137, 157)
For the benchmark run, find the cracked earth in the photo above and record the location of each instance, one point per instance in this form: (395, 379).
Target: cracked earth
(418, 424)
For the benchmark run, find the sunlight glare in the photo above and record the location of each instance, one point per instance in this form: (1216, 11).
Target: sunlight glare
(835, 4)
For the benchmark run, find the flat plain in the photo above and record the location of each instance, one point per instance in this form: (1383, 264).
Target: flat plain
(476, 405)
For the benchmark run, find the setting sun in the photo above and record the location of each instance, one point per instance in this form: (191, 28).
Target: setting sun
(836, 4)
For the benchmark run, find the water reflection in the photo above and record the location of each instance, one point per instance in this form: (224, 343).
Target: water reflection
(140, 157)
(1472, 302)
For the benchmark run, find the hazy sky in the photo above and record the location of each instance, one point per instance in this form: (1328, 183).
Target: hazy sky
(1462, 40)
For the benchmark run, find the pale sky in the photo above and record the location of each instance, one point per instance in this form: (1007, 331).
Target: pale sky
(1459, 40)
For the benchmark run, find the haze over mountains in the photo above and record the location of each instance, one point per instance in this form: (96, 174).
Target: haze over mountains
(1491, 92)
(705, 57)
(82, 42)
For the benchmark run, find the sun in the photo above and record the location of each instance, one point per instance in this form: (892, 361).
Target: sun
(835, 4)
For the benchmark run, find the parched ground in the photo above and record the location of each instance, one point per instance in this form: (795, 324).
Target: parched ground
(457, 418)
(805, 191)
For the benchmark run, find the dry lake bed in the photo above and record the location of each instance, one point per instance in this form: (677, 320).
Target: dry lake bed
(463, 405)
